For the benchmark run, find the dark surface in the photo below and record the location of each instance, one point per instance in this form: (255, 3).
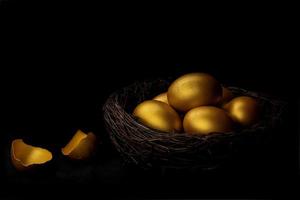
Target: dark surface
(58, 69)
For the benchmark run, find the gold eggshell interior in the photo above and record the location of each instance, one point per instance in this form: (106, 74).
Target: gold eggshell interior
(81, 146)
(24, 155)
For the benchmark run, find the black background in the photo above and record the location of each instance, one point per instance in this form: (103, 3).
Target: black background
(61, 61)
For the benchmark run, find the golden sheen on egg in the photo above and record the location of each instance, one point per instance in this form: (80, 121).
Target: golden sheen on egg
(243, 110)
(193, 90)
(205, 120)
(158, 115)
(163, 97)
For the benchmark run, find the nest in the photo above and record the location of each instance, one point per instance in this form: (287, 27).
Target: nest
(151, 148)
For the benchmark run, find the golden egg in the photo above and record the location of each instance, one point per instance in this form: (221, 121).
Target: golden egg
(205, 120)
(81, 146)
(244, 110)
(158, 115)
(163, 97)
(193, 90)
(227, 95)
(24, 156)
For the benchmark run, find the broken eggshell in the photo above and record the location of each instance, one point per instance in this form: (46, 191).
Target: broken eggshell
(25, 156)
(81, 146)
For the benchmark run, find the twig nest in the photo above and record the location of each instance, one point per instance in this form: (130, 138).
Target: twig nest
(81, 146)
(25, 156)
(150, 148)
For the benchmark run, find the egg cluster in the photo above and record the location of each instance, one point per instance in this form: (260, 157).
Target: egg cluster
(197, 103)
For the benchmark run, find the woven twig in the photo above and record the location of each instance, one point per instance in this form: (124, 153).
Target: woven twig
(151, 148)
